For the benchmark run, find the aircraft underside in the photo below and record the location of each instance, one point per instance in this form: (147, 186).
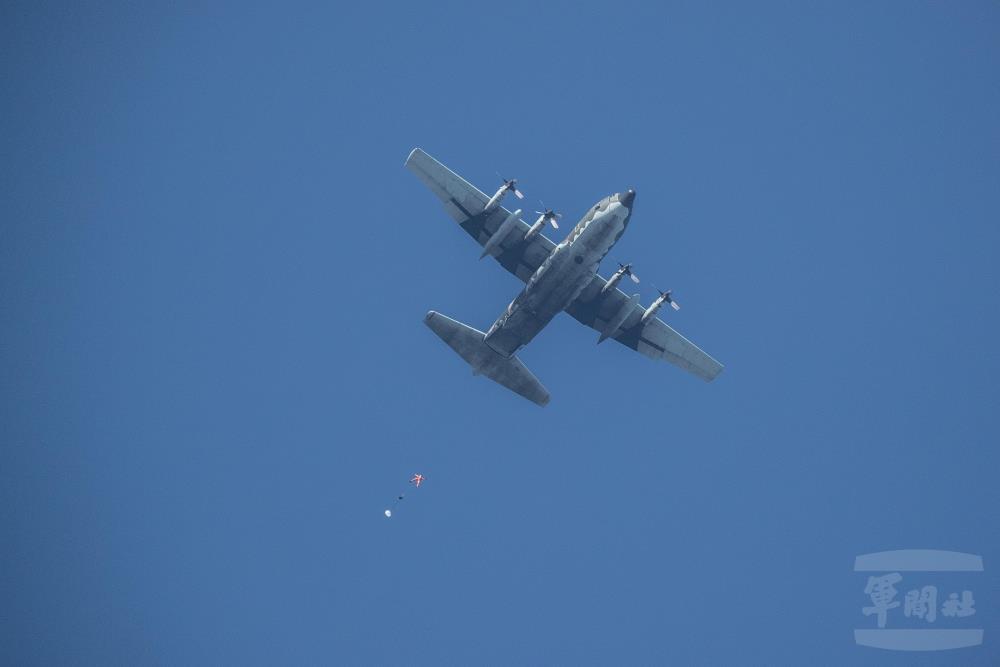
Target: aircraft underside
(557, 278)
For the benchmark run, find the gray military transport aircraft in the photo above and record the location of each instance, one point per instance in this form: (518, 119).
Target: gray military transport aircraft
(557, 277)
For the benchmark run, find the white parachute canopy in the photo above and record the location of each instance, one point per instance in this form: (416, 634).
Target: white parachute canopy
(416, 480)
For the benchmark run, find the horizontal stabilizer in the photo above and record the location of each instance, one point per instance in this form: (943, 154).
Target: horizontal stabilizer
(470, 345)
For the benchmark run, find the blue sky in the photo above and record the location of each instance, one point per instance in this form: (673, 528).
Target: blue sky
(214, 269)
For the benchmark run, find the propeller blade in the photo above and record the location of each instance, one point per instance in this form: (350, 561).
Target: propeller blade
(555, 225)
(559, 215)
(517, 193)
(634, 278)
(675, 305)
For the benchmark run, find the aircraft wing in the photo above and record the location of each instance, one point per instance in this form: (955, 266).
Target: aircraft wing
(464, 203)
(655, 340)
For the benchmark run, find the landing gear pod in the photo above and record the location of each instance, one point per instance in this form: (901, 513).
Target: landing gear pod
(502, 232)
(615, 322)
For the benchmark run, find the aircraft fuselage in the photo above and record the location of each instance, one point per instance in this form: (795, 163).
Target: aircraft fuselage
(563, 275)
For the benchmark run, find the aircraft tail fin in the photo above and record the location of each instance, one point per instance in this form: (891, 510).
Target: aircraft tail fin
(470, 345)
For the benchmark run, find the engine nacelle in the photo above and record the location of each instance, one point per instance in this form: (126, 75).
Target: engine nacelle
(495, 199)
(651, 311)
(655, 306)
(535, 228)
(613, 281)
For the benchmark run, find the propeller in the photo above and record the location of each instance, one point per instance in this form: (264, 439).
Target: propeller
(627, 270)
(510, 184)
(666, 296)
(549, 215)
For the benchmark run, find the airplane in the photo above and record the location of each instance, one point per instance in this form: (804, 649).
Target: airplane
(557, 278)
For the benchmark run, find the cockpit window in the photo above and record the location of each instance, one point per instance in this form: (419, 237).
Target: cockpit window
(598, 207)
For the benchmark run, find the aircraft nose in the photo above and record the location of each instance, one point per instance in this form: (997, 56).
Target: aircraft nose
(626, 198)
